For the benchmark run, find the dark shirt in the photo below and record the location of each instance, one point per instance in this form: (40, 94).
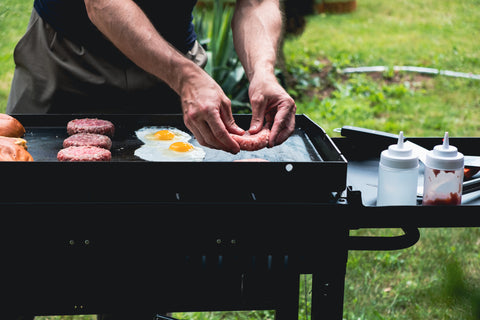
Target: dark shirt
(172, 19)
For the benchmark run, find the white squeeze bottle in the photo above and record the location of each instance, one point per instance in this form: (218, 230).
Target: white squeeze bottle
(397, 175)
(443, 175)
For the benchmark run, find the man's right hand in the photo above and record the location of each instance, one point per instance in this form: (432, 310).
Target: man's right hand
(207, 112)
(206, 109)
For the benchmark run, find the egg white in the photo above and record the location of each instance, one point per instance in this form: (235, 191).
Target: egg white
(145, 135)
(151, 152)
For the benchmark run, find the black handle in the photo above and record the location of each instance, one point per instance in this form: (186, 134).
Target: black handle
(368, 135)
(409, 238)
(366, 143)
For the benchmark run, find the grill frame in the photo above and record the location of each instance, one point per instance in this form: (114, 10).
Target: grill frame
(123, 237)
(208, 181)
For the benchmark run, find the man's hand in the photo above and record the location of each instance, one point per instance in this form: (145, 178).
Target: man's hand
(206, 109)
(207, 112)
(270, 102)
(257, 26)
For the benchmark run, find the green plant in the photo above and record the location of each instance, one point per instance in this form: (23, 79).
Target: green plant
(213, 29)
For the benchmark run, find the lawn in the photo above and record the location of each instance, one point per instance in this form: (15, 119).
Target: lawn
(436, 34)
(14, 17)
(407, 284)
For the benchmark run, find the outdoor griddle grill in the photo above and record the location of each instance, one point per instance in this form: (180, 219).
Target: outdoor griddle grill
(136, 236)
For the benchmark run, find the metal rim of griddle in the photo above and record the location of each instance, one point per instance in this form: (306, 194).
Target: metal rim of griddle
(313, 181)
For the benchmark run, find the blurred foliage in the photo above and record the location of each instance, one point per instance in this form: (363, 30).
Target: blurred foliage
(215, 35)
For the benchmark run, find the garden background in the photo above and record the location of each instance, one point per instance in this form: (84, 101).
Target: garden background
(438, 278)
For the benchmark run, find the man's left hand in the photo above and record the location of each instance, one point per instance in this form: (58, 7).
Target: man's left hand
(271, 103)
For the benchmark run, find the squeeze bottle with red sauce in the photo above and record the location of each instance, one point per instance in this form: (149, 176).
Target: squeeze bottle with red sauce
(443, 175)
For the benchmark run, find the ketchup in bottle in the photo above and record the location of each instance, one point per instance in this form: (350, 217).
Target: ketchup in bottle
(443, 175)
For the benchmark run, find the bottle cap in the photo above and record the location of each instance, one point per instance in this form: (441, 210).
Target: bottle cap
(444, 156)
(399, 156)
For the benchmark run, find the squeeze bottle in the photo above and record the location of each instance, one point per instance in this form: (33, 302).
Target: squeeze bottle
(443, 175)
(397, 175)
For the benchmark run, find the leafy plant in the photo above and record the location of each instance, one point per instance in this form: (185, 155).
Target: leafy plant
(213, 30)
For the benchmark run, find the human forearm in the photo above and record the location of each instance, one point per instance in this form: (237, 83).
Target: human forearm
(206, 109)
(257, 26)
(129, 29)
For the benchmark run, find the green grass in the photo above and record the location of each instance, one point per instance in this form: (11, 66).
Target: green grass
(436, 34)
(430, 33)
(14, 17)
(407, 284)
(410, 284)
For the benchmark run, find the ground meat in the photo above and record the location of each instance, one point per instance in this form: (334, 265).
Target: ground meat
(87, 125)
(253, 142)
(84, 154)
(88, 139)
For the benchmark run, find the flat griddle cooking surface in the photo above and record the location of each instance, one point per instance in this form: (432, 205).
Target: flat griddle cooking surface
(45, 138)
(307, 166)
(44, 143)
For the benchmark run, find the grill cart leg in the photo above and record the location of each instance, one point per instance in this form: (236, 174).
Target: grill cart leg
(328, 289)
(271, 290)
(328, 284)
(287, 308)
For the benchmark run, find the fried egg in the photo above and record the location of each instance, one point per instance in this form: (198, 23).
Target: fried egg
(161, 135)
(176, 151)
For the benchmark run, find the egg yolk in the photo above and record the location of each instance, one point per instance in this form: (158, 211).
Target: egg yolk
(163, 135)
(181, 147)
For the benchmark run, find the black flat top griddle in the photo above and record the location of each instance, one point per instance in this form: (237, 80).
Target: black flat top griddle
(111, 213)
(308, 158)
(45, 141)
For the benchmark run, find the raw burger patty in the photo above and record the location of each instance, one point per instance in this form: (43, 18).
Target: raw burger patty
(253, 142)
(88, 139)
(88, 125)
(84, 154)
